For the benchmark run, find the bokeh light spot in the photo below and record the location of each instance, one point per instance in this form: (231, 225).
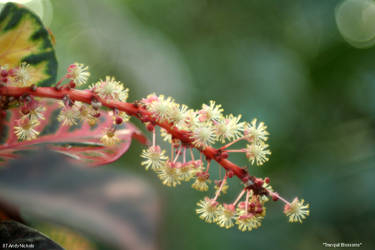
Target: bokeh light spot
(355, 20)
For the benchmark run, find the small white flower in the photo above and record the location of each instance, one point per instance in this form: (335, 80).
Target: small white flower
(25, 129)
(22, 75)
(187, 170)
(164, 108)
(207, 210)
(254, 133)
(257, 153)
(169, 174)
(111, 89)
(296, 211)
(247, 221)
(69, 115)
(78, 73)
(201, 182)
(203, 135)
(154, 158)
(86, 112)
(226, 216)
(36, 112)
(229, 128)
(210, 112)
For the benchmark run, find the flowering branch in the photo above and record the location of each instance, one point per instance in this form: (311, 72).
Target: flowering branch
(132, 109)
(184, 128)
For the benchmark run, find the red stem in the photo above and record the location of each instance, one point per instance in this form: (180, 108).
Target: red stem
(132, 109)
(239, 196)
(221, 187)
(59, 82)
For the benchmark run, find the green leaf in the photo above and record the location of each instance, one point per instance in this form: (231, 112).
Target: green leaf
(23, 38)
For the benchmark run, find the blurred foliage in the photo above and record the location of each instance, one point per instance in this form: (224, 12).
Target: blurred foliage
(17, 235)
(65, 237)
(284, 62)
(113, 209)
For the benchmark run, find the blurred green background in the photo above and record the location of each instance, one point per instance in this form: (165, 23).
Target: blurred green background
(306, 68)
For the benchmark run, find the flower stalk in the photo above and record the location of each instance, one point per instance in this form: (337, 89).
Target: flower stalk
(131, 109)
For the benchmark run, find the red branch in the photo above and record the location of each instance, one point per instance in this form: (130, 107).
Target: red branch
(87, 96)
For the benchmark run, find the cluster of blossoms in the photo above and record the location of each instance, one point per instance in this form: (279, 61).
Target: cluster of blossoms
(202, 129)
(108, 89)
(72, 112)
(191, 133)
(31, 112)
(19, 76)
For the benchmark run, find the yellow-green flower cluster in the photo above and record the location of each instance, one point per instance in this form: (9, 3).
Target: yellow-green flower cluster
(257, 150)
(71, 114)
(19, 76)
(208, 126)
(249, 213)
(246, 217)
(110, 89)
(31, 115)
(170, 173)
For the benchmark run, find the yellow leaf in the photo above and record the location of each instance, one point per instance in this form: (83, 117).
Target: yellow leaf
(23, 38)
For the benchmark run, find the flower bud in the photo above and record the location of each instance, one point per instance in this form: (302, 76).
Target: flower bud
(72, 84)
(4, 73)
(118, 120)
(267, 180)
(150, 127)
(275, 196)
(230, 174)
